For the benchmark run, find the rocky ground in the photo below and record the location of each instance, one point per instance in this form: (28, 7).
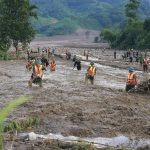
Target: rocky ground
(68, 106)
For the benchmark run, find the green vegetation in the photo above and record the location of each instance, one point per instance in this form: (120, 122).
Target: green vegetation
(15, 24)
(90, 14)
(135, 34)
(21, 124)
(6, 111)
(65, 26)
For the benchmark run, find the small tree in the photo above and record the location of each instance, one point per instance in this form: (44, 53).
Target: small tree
(131, 10)
(15, 21)
(108, 35)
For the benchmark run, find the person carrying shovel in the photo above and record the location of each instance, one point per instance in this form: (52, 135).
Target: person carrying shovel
(91, 72)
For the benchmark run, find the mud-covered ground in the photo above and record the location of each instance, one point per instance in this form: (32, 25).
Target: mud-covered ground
(68, 106)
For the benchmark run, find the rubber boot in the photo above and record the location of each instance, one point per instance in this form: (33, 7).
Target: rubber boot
(40, 84)
(92, 82)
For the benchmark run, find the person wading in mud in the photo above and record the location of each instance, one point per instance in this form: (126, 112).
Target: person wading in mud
(49, 52)
(87, 55)
(74, 58)
(115, 53)
(145, 64)
(91, 72)
(44, 61)
(52, 65)
(78, 64)
(37, 74)
(131, 80)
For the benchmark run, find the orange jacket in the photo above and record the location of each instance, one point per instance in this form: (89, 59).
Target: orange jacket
(131, 79)
(92, 71)
(145, 62)
(52, 66)
(38, 70)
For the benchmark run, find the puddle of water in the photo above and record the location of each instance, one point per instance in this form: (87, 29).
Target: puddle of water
(100, 142)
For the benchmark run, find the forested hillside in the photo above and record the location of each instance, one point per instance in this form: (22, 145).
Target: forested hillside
(65, 16)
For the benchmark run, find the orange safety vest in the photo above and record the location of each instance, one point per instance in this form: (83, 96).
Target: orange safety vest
(38, 70)
(145, 62)
(92, 71)
(52, 66)
(131, 80)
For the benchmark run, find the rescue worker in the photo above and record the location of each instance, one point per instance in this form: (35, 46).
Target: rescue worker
(49, 52)
(145, 65)
(44, 61)
(74, 58)
(87, 55)
(52, 65)
(68, 55)
(141, 59)
(37, 74)
(78, 64)
(115, 54)
(131, 80)
(91, 72)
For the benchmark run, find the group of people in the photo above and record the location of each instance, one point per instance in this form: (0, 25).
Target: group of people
(135, 56)
(132, 55)
(132, 78)
(38, 66)
(91, 71)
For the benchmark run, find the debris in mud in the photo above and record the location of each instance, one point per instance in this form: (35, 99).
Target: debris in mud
(49, 145)
(116, 142)
(143, 87)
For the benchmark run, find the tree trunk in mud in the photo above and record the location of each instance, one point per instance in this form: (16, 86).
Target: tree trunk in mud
(17, 54)
(15, 44)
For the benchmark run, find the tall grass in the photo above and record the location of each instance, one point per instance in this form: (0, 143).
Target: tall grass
(6, 111)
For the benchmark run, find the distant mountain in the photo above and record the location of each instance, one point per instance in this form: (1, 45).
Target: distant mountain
(65, 16)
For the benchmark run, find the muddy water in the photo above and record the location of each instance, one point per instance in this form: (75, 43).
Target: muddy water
(67, 105)
(106, 76)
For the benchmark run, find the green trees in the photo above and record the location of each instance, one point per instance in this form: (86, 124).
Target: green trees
(15, 26)
(108, 35)
(135, 34)
(131, 9)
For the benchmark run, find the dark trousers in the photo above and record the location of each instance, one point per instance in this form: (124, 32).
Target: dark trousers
(129, 87)
(79, 67)
(145, 68)
(90, 78)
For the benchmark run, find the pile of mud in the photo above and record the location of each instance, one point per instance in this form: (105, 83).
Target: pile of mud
(144, 86)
